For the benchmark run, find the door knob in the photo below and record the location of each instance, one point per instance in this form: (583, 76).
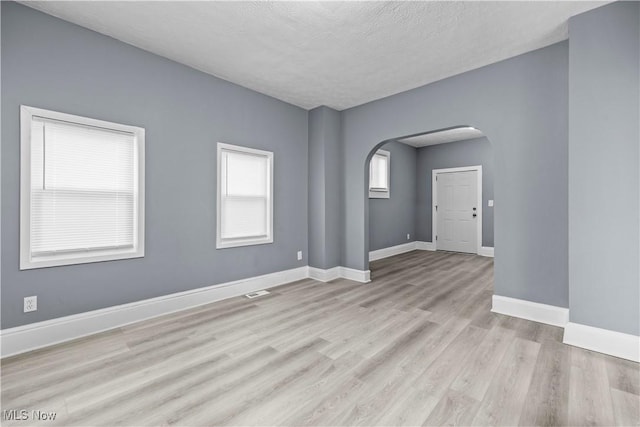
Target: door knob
(474, 215)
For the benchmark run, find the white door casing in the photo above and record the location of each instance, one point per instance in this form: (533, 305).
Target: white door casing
(456, 225)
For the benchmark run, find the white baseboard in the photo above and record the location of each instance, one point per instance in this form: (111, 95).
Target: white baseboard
(543, 313)
(391, 251)
(324, 275)
(430, 246)
(49, 332)
(425, 246)
(486, 251)
(613, 343)
(363, 276)
(42, 334)
(405, 247)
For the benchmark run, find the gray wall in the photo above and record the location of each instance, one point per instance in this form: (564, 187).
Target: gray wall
(324, 187)
(521, 104)
(316, 201)
(52, 64)
(604, 97)
(454, 154)
(391, 219)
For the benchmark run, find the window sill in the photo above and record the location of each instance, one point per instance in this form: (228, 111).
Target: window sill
(27, 262)
(235, 243)
(379, 195)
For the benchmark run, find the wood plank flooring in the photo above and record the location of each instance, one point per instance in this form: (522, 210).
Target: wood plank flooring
(416, 346)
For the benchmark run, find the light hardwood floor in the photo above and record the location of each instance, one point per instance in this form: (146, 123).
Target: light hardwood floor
(416, 346)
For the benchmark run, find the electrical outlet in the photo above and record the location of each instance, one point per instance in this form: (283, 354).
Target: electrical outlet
(299, 255)
(408, 236)
(30, 304)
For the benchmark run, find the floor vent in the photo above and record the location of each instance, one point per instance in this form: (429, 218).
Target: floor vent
(257, 294)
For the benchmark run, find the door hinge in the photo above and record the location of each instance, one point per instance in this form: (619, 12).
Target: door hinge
(436, 237)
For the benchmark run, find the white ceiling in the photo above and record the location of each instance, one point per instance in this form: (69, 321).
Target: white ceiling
(339, 54)
(442, 137)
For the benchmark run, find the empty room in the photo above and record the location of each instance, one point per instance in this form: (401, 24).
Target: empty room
(320, 213)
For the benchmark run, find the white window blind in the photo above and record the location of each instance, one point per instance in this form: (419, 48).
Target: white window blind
(378, 178)
(84, 192)
(244, 196)
(379, 174)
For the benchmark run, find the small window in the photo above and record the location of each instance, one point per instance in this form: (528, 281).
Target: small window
(245, 196)
(379, 172)
(82, 190)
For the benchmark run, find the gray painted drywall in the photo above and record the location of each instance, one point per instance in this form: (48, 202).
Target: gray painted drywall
(324, 187)
(52, 64)
(333, 186)
(604, 221)
(316, 201)
(454, 154)
(390, 220)
(521, 104)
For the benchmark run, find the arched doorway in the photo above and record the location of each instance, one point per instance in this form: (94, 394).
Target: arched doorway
(404, 216)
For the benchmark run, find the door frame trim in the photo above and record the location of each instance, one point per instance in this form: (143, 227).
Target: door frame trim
(434, 202)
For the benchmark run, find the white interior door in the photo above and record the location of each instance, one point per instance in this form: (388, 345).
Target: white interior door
(456, 211)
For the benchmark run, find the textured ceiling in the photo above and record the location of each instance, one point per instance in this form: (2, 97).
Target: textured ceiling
(442, 137)
(339, 54)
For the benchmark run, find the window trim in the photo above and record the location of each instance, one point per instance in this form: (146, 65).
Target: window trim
(381, 193)
(245, 241)
(27, 262)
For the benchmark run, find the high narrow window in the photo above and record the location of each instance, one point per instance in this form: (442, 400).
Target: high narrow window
(379, 172)
(82, 190)
(245, 202)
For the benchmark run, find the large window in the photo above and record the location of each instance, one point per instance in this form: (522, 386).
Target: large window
(245, 202)
(82, 190)
(379, 172)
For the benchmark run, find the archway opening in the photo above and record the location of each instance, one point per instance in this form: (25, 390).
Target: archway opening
(405, 212)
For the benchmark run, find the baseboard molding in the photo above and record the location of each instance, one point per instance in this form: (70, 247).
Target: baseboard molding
(362, 276)
(430, 246)
(613, 343)
(486, 251)
(43, 334)
(425, 246)
(391, 251)
(324, 275)
(421, 246)
(55, 331)
(542, 313)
